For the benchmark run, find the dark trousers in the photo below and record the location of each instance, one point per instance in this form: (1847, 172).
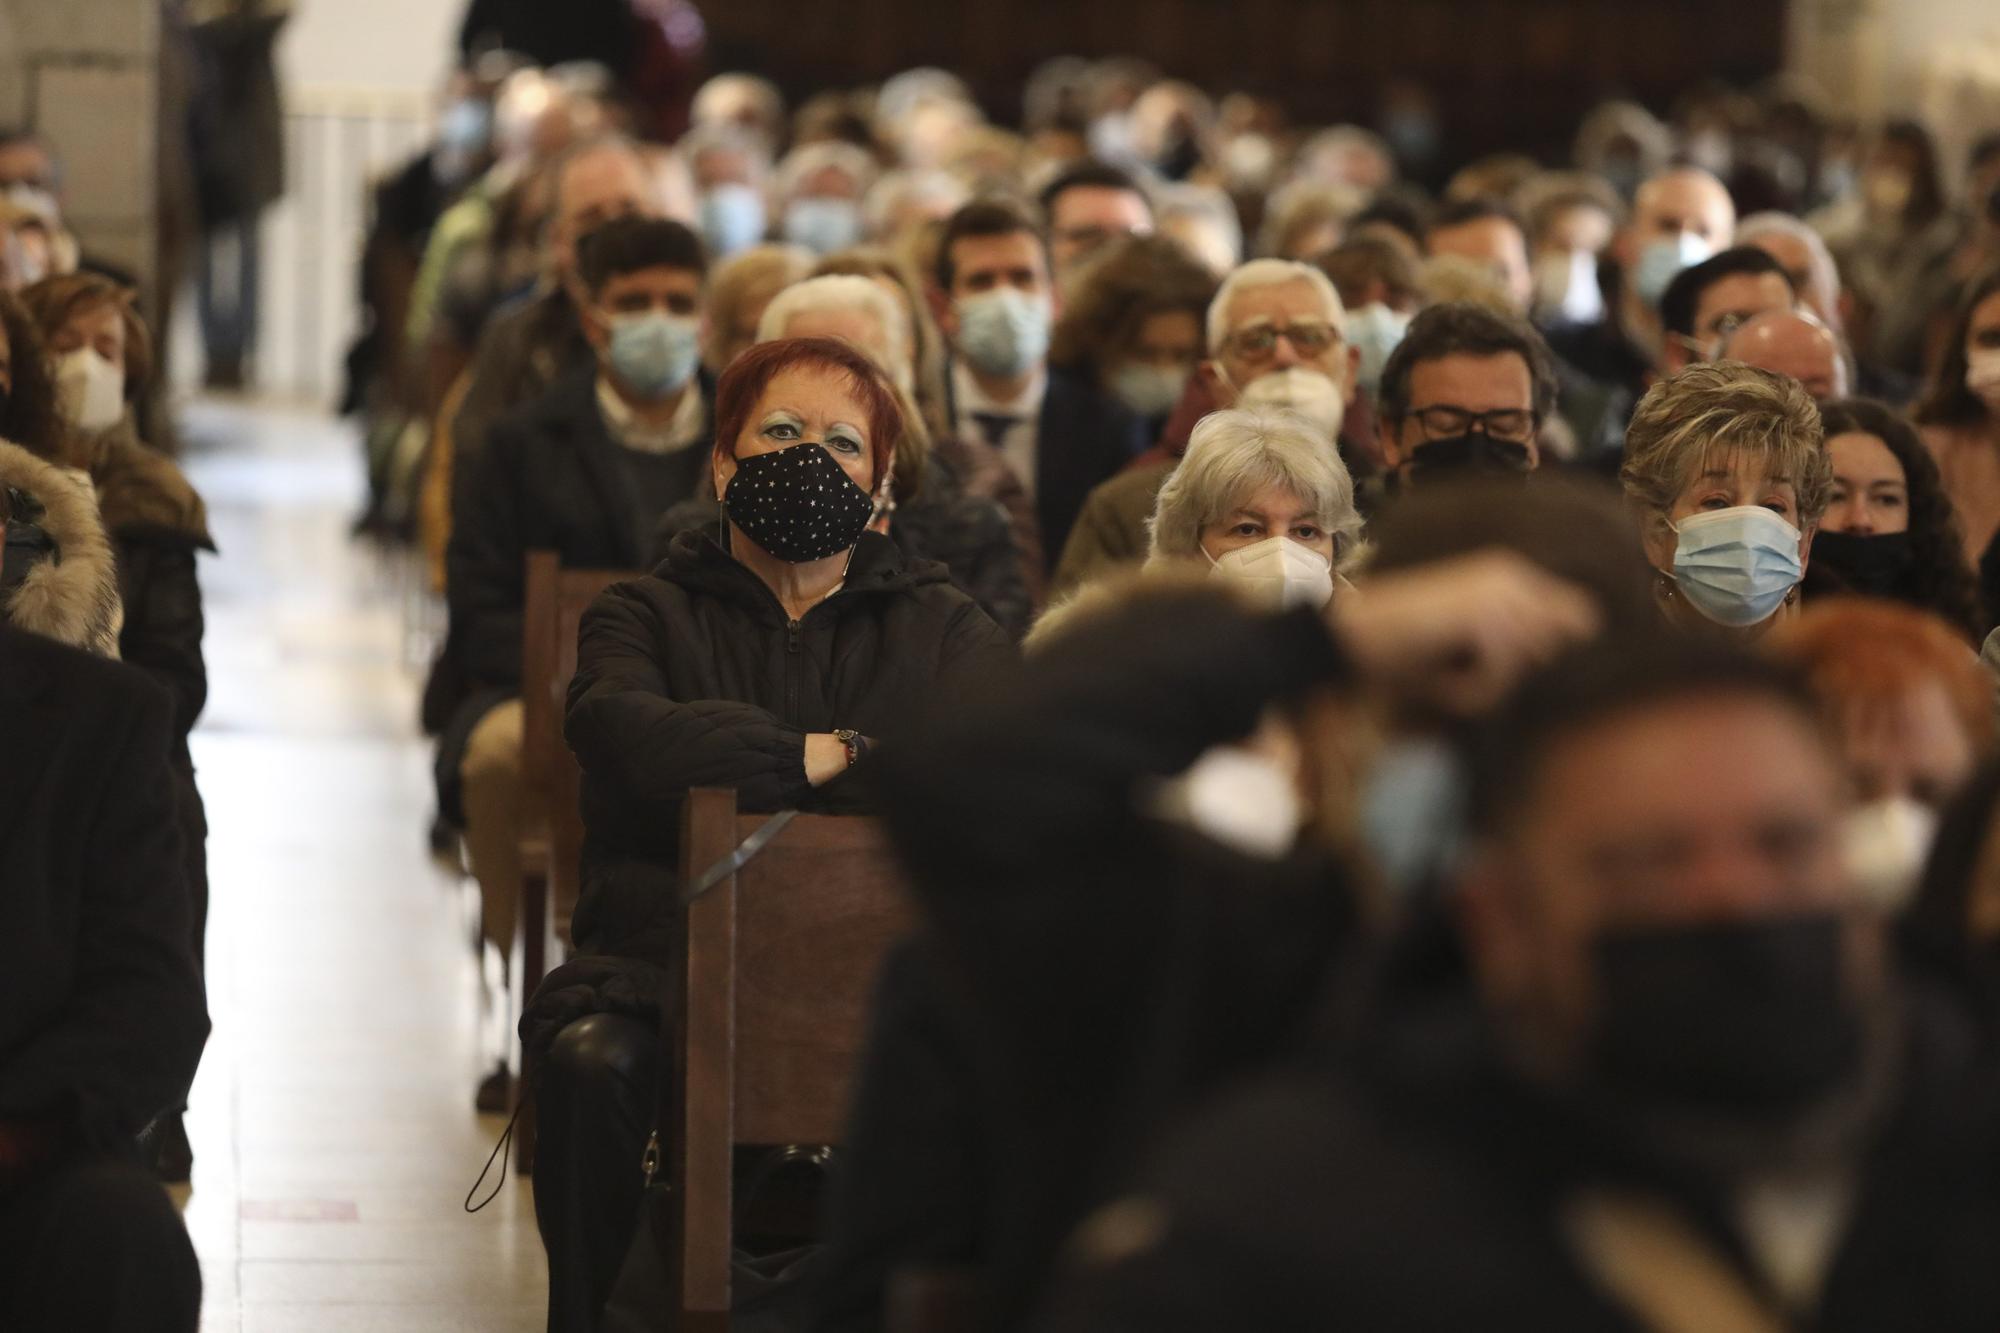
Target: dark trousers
(95, 1245)
(226, 295)
(594, 1102)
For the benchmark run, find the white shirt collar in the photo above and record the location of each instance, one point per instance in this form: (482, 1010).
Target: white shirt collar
(969, 397)
(682, 432)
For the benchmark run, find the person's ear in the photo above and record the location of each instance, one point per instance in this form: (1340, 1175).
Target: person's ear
(941, 309)
(1219, 388)
(596, 330)
(1661, 542)
(1625, 248)
(1492, 925)
(721, 468)
(1353, 374)
(1806, 545)
(1389, 437)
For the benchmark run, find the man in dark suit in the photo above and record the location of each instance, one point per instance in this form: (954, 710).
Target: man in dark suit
(1060, 433)
(586, 471)
(102, 1018)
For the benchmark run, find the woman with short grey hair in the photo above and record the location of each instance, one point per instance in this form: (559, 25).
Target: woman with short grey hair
(1264, 499)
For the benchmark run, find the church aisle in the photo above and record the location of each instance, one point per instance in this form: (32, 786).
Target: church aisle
(332, 1119)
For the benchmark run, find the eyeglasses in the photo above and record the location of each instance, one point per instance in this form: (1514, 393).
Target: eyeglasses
(1510, 425)
(1309, 338)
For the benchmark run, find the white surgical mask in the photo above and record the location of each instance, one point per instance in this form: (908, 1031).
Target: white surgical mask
(1662, 261)
(1886, 844)
(1566, 287)
(1150, 391)
(1982, 376)
(1737, 565)
(1282, 573)
(1004, 332)
(1374, 330)
(1309, 393)
(1239, 798)
(91, 391)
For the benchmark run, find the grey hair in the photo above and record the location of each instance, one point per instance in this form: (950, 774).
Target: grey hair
(1235, 453)
(1825, 274)
(1269, 273)
(844, 291)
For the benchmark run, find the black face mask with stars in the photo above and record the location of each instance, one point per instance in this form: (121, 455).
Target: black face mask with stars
(797, 503)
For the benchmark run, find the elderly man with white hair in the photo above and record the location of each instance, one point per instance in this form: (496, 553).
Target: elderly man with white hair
(1276, 339)
(1264, 503)
(930, 514)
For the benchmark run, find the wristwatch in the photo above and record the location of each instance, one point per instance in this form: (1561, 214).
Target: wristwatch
(856, 743)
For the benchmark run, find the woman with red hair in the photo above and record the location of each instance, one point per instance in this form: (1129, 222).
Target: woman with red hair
(765, 654)
(1913, 713)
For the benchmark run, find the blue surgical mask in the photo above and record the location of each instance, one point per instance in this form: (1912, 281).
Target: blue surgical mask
(1150, 391)
(653, 354)
(1661, 262)
(1413, 814)
(823, 225)
(732, 218)
(1003, 332)
(1737, 566)
(1374, 330)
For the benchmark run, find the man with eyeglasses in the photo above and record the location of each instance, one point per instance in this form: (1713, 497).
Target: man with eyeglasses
(1704, 304)
(1467, 390)
(1276, 339)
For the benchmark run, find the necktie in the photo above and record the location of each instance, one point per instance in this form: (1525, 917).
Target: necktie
(994, 426)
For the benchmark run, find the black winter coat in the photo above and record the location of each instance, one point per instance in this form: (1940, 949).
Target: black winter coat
(1084, 436)
(101, 1013)
(158, 527)
(969, 536)
(550, 479)
(694, 676)
(1424, 1187)
(1089, 970)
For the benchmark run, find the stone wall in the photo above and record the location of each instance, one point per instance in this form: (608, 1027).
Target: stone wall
(85, 74)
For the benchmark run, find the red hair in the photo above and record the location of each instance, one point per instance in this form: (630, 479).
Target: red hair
(744, 382)
(1857, 653)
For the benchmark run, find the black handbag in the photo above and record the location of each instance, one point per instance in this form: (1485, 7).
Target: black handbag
(768, 1292)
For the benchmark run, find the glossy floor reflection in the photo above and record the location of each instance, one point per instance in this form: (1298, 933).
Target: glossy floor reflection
(332, 1120)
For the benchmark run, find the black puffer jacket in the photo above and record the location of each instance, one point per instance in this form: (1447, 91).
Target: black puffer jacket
(694, 676)
(158, 527)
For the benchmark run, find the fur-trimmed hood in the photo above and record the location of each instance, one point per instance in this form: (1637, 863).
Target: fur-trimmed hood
(141, 493)
(71, 596)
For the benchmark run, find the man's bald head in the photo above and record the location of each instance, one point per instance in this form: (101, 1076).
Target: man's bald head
(1675, 202)
(1795, 343)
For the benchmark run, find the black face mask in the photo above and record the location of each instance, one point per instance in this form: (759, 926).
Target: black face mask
(1874, 566)
(797, 503)
(1743, 1019)
(1466, 454)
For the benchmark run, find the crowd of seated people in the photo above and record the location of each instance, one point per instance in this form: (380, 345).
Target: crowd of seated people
(103, 866)
(1414, 723)
(1434, 725)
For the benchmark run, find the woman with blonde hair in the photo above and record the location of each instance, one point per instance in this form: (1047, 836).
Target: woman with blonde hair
(1728, 469)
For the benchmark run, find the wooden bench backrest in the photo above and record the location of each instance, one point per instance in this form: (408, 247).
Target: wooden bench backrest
(779, 964)
(554, 606)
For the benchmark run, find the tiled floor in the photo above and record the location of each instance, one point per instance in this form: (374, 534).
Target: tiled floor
(332, 1120)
